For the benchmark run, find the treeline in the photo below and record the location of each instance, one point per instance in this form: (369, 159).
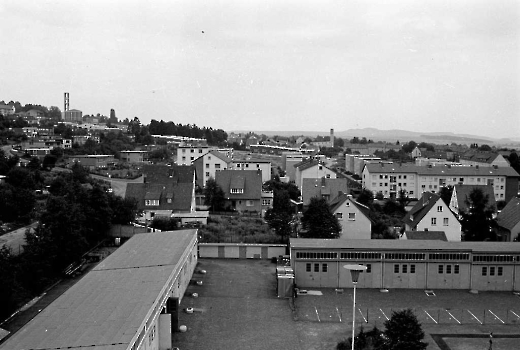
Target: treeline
(214, 136)
(77, 215)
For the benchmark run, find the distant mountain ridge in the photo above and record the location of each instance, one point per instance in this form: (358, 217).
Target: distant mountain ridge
(395, 135)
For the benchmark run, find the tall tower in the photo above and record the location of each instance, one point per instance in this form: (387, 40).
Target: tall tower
(66, 102)
(331, 137)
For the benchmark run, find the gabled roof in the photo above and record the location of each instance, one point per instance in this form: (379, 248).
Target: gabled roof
(217, 154)
(181, 195)
(338, 202)
(317, 187)
(480, 156)
(250, 181)
(463, 191)
(309, 163)
(421, 208)
(163, 174)
(442, 170)
(426, 235)
(509, 217)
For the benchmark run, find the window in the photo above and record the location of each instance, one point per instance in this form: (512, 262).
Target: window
(445, 221)
(369, 268)
(192, 151)
(183, 157)
(169, 200)
(266, 202)
(249, 203)
(327, 176)
(352, 216)
(456, 269)
(217, 166)
(439, 208)
(412, 268)
(448, 269)
(200, 151)
(237, 190)
(492, 271)
(500, 270)
(308, 267)
(207, 166)
(441, 269)
(484, 270)
(405, 268)
(434, 221)
(150, 202)
(316, 267)
(207, 173)
(339, 215)
(396, 268)
(324, 267)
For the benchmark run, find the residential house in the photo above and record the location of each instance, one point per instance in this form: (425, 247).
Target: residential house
(289, 160)
(484, 159)
(252, 164)
(461, 194)
(251, 140)
(312, 169)
(207, 165)
(425, 235)
(430, 213)
(414, 180)
(352, 216)
(242, 189)
(134, 156)
(508, 221)
(325, 188)
(6, 110)
(94, 161)
(416, 153)
(164, 174)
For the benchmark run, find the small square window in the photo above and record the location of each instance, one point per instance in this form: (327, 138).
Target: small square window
(308, 267)
(339, 215)
(441, 269)
(484, 270)
(316, 267)
(352, 216)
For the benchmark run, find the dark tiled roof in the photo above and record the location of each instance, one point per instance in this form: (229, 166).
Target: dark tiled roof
(509, 217)
(479, 156)
(419, 210)
(163, 174)
(426, 235)
(217, 154)
(180, 194)
(250, 181)
(463, 192)
(318, 187)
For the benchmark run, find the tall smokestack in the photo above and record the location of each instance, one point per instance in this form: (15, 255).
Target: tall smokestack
(331, 137)
(65, 102)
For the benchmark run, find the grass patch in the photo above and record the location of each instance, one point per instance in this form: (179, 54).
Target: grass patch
(237, 229)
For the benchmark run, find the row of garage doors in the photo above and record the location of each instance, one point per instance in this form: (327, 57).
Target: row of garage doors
(331, 274)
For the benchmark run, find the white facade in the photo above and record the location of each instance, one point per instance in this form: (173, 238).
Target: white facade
(317, 171)
(264, 166)
(187, 154)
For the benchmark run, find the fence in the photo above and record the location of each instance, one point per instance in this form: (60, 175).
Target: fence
(377, 316)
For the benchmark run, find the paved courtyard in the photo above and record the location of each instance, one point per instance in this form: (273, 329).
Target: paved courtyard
(237, 308)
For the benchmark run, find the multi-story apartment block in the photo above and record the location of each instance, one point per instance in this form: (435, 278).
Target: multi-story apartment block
(207, 165)
(263, 165)
(414, 180)
(187, 154)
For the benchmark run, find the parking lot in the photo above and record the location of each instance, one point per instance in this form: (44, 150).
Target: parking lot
(236, 308)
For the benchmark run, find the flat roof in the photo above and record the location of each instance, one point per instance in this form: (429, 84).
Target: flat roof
(405, 244)
(106, 308)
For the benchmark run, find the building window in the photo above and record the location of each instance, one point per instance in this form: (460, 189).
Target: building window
(352, 216)
(405, 268)
(249, 203)
(207, 166)
(339, 215)
(500, 270)
(492, 271)
(484, 270)
(369, 268)
(151, 202)
(200, 151)
(237, 190)
(169, 200)
(308, 267)
(316, 267)
(183, 158)
(434, 221)
(456, 269)
(448, 269)
(439, 208)
(324, 267)
(217, 166)
(266, 202)
(412, 268)
(207, 173)
(192, 151)
(441, 269)
(396, 268)
(445, 221)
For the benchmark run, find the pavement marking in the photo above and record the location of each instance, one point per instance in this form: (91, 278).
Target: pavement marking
(452, 316)
(317, 314)
(339, 314)
(492, 313)
(384, 314)
(514, 313)
(430, 316)
(471, 313)
(362, 315)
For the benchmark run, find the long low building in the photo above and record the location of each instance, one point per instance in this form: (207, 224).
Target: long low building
(483, 266)
(130, 301)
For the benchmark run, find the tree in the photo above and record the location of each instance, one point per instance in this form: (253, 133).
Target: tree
(403, 332)
(445, 193)
(365, 197)
(477, 222)
(318, 221)
(214, 195)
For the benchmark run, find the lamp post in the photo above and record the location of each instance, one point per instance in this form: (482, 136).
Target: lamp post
(355, 270)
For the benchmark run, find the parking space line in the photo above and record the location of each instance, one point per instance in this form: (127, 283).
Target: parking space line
(449, 313)
(514, 313)
(430, 316)
(471, 313)
(339, 314)
(317, 314)
(384, 314)
(362, 315)
(492, 313)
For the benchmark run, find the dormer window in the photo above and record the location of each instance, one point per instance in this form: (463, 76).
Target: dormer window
(151, 202)
(237, 190)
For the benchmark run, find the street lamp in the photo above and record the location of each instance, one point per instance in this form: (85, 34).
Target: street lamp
(355, 270)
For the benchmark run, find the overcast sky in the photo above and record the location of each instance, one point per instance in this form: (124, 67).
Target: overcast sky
(429, 65)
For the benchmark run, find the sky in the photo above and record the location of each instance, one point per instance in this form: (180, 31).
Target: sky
(271, 65)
